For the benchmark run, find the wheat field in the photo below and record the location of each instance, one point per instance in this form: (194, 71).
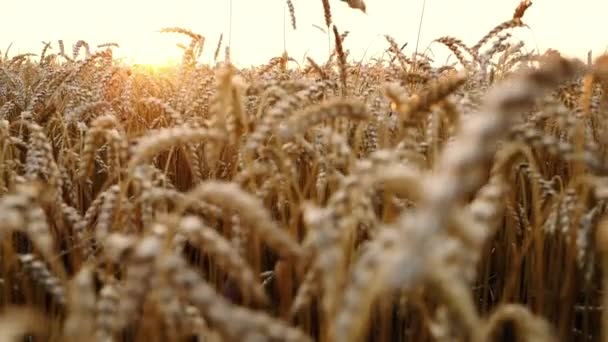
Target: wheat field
(335, 200)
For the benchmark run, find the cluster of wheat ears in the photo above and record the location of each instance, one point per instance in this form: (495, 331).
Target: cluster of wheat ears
(339, 201)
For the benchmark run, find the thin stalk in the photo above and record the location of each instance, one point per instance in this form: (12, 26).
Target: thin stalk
(284, 27)
(419, 30)
(230, 24)
(328, 43)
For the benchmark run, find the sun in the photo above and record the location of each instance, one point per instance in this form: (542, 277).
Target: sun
(153, 51)
(151, 60)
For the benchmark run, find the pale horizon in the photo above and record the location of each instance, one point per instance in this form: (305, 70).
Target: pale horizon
(257, 30)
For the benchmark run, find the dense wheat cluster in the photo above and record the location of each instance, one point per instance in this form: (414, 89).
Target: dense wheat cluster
(394, 200)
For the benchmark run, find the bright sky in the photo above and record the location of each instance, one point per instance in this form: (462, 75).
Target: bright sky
(573, 27)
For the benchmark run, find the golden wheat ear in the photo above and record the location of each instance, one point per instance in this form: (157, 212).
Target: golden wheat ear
(356, 4)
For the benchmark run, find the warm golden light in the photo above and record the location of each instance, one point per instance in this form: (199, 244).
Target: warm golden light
(257, 29)
(159, 49)
(331, 170)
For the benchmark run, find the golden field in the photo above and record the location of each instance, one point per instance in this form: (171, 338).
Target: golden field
(335, 200)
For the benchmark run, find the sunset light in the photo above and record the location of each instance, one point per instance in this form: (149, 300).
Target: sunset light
(303, 171)
(257, 26)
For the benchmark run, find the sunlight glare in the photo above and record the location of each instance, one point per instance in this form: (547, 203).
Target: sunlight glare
(153, 49)
(258, 38)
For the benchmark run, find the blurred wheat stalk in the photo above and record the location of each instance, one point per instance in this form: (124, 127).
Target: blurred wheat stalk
(336, 201)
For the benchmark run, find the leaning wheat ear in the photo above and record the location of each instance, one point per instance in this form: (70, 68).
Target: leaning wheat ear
(356, 4)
